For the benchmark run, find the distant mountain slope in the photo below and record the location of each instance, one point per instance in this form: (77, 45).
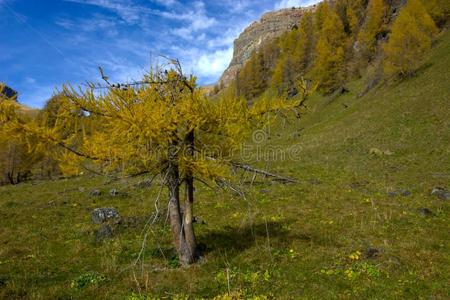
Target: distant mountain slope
(271, 25)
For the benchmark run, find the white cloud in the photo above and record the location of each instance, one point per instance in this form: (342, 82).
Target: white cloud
(166, 2)
(213, 64)
(95, 23)
(29, 80)
(126, 10)
(196, 19)
(207, 65)
(294, 3)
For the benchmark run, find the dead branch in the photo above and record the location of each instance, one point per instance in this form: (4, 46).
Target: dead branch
(265, 173)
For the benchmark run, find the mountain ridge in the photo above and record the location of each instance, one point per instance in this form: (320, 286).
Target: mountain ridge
(271, 25)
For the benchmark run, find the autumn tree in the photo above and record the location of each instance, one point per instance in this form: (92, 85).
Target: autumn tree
(439, 10)
(295, 53)
(320, 15)
(410, 40)
(162, 125)
(371, 29)
(357, 10)
(251, 76)
(329, 61)
(351, 13)
(17, 158)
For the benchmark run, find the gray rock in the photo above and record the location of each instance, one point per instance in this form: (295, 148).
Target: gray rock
(425, 212)
(399, 192)
(441, 193)
(95, 193)
(198, 220)
(104, 232)
(102, 215)
(113, 192)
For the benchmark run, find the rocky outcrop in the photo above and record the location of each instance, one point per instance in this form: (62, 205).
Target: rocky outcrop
(271, 25)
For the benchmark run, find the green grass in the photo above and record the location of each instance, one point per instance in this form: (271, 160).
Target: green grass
(285, 241)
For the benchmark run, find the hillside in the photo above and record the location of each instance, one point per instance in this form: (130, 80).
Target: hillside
(361, 223)
(270, 26)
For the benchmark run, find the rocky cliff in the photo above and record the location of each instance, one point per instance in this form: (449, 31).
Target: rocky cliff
(271, 25)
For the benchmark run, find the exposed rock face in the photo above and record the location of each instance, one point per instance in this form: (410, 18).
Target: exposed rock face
(271, 25)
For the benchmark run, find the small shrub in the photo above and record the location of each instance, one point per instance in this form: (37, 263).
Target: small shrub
(87, 279)
(174, 262)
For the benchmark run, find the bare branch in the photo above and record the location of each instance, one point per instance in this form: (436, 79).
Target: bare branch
(263, 172)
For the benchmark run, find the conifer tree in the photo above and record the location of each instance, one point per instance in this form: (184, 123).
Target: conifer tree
(352, 21)
(17, 157)
(373, 26)
(295, 55)
(252, 76)
(359, 8)
(411, 38)
(329, 67)
(321, 13)
(439, 10)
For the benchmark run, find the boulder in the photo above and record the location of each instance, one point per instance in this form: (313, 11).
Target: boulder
(102, 215)
(441, 193)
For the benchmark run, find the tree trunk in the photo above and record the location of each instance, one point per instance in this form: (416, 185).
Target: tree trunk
(173, 178)
(181, 225)
(190, 252)
(10, 176)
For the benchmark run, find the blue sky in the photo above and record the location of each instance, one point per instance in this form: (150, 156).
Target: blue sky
(45, 43)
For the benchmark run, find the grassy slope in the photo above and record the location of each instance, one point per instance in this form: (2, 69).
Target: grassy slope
(291, 241)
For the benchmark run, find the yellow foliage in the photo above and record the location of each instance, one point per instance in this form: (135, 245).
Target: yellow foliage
(17, 153)
(411, 38)
(372, 27)
(130, 129)
(439, 10)
(329, 65)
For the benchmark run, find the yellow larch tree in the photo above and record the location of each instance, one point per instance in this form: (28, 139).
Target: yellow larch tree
(372, 27)
(163, 125)
(17, 157)
(329, 62)
(410, 40)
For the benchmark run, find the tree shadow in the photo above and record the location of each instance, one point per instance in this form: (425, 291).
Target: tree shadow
(235, 239)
